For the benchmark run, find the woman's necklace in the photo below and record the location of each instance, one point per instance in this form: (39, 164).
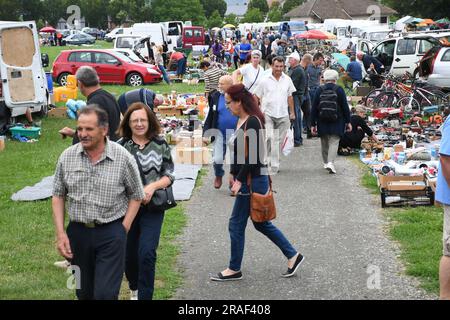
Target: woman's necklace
(140, 143)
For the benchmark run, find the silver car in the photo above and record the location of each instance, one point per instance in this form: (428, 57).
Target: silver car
(435, 67)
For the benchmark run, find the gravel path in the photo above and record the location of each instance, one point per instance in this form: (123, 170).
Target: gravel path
(334, 222)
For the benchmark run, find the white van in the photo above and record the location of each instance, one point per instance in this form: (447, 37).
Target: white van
(174, 31)
(155, 31)
(23, 82)
(109, 37)
(403, 53)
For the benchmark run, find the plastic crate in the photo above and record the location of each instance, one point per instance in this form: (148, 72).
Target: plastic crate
(29, 132)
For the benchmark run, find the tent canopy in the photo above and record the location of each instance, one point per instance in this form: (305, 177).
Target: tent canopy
(49, 29)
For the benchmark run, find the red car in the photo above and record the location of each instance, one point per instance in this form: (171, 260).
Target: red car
(111, 66)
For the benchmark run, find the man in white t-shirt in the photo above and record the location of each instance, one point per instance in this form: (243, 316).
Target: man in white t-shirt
(251, 73)
(275, 96)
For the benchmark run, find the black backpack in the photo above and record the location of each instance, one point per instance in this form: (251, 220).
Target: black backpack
(328, 105)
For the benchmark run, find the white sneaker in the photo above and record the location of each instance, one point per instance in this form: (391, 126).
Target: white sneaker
(330, 167)
(325, 165)
(133, 294)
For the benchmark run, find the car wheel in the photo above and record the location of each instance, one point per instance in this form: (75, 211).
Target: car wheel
(134, 79)
(62, 79)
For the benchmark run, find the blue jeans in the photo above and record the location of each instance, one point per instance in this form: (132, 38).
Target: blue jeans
(181, 66)
(140, 261)
(298, 120)
(238, 223)
(220, 148)
(164, 73)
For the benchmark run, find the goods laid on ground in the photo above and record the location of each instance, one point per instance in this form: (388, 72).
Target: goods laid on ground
(405, 159)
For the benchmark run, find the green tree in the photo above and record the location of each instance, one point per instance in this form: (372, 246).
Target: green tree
(274, 14)
(291, 4)
(10, 9)
(253, 15)
(31, 9)
(184, 10)
(215, 20)
(212, 5)
(434, 9)
(259, 4)
(94, 12)
(53, 10)
(232, 18)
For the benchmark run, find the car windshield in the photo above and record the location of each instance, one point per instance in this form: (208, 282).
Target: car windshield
(125, 42)
(378, 36)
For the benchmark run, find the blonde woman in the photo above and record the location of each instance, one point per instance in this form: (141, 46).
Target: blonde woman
(159, 61)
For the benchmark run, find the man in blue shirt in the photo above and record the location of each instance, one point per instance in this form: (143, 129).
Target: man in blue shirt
(244, 49)
(219, 122)
(374, 68)
(353, 72)
(443, 196)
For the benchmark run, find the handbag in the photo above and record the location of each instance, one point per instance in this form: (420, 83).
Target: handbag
(262, 206)
(162, 199)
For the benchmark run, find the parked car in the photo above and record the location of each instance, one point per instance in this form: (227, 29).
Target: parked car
(111, 66)
(435, 66)
(403, 53)
(78, 39)
(110, 36)
(96, 33)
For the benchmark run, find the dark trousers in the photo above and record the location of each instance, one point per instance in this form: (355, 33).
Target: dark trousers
(100, 255)
(142, 242)
(306, 109)
(236, 62)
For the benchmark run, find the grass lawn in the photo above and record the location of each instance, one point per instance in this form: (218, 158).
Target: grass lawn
(27, 249)
(418, 230)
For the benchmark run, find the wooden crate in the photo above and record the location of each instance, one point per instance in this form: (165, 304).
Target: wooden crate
(60, 112)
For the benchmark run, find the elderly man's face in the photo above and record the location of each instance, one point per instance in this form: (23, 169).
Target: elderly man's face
(293, 61)
(89, 132)
(224, 84)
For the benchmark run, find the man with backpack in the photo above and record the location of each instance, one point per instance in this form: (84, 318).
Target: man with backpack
(330, 116)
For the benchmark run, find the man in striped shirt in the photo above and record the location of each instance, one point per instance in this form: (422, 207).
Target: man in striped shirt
(212, 76)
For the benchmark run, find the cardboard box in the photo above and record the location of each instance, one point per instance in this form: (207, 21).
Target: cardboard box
(60, 112)
(189, 142)
(185, 155)
(169, 111)
(402, 183)
(405, 190)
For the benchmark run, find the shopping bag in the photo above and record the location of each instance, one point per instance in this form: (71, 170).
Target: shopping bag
(288, 143)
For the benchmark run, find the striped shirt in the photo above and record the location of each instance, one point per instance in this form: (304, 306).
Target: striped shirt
(212, 76)
(97, 192)
(155, 158)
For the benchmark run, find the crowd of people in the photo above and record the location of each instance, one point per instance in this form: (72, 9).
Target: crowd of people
(250, 113)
